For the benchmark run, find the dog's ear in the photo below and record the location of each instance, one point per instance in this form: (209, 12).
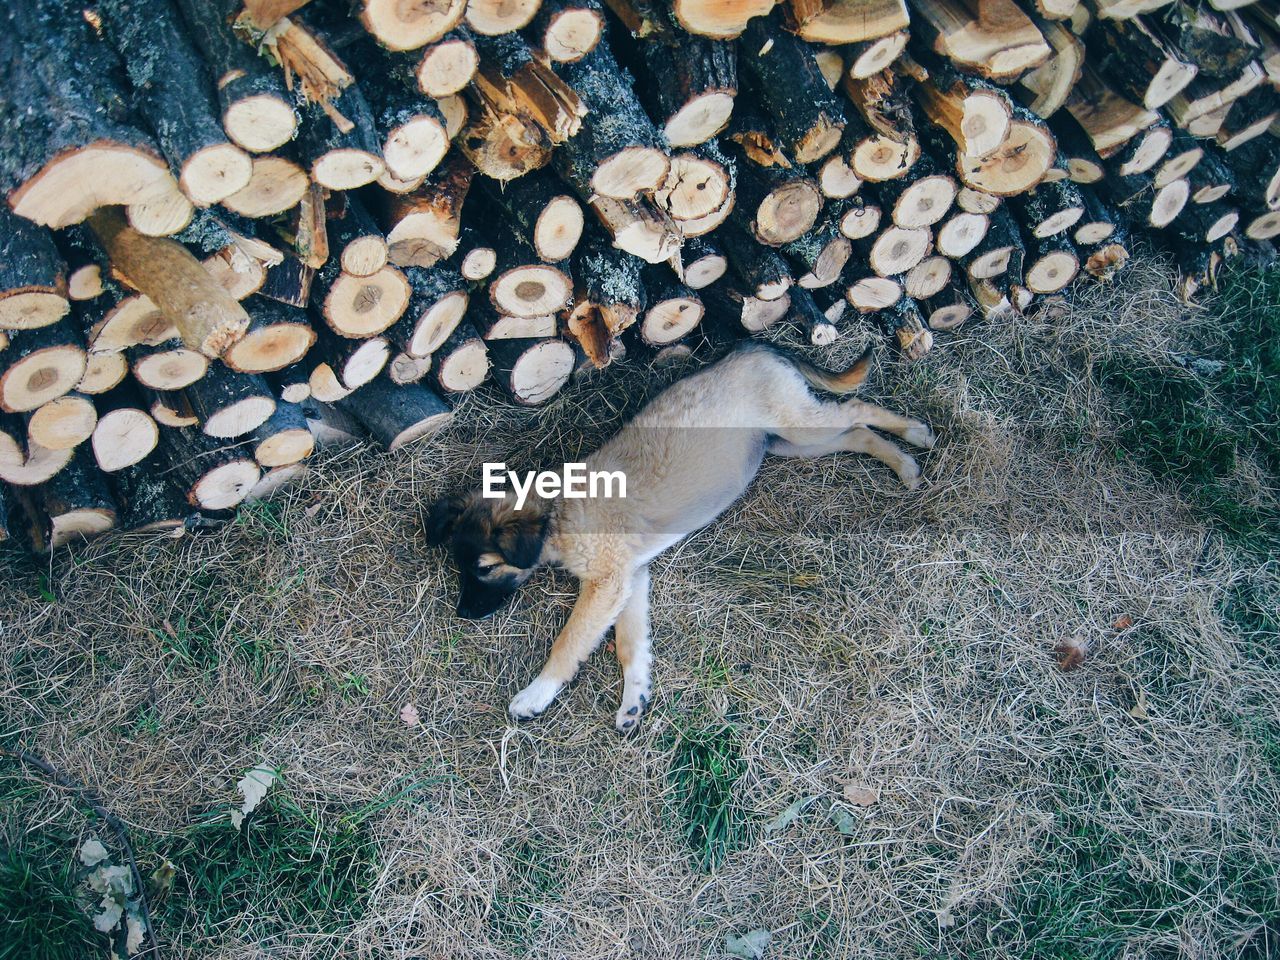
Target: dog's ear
(520, 537)
(439, 520)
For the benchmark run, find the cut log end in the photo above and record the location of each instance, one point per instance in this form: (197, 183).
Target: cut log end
(72, 185)
(860, 222)
(171, 369)
(873, 293)
(237, 419)
(465, 368)
(447, 67)
(260, 123)
(533, 290)
(788, 212)
(478, 263)
(629, 172)
(669, 320)
(415, 148)
(1264, 227)
(269, 348)
(961, 233)
(878, 54)
(163, 215)
(1168, 203)
(539, 372)
(898, 249)
(410, 24)
(123, 437)
(364, 256)
(700, 119)
(102, 372)
(558, 229)
(1052, 272)
(1019, 164)
(495, 17)
(41, 376)
(215, 173)
(277, 185)
(365, 306)
(882, 158)
(64, 423)
(225, 486)
(705, 270)
(572, 33)
(28, 309)
(347, 169)
(925, 202)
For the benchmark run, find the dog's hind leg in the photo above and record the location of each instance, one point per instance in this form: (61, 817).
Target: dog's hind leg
(598, 606)
(915, 432)
(631, 640)
(802, 443)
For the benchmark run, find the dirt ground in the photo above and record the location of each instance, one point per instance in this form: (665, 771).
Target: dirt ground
(864, 740)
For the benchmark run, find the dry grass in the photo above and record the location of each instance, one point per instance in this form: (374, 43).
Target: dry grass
(830, 629)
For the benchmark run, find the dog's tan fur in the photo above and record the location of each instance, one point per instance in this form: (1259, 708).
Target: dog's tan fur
(687, 456)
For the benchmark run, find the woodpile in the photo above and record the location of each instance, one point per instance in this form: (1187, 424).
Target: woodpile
(237, 228)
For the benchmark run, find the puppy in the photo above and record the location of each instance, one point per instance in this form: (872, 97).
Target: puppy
(687, 456)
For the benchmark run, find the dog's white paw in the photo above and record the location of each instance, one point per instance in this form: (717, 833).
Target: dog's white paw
(533, 699)
(635, 700)
(909, 473)
(919, 435)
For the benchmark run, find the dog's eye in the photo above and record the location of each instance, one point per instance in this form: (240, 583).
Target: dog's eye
(485, 569)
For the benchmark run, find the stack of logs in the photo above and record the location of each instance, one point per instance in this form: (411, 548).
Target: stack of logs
(235, 227)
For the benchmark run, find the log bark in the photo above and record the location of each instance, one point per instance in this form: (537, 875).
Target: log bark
(397, 416)
(256, 110)
(991, 257)
(77, 502)
(1249, 117)
(1140, 63)
(784, 77)
(761, 272)
(284, 438)
(617, 160)
(422, 227)
(206, 317)
(545, 214)
(700, 262)
(172, 90)
(147, 499)
(293, 383)
(33, 277)
(1050, 209)
(695, 81)
(1107, 119)
(949, 309)
(231, 404)
(170, 409)
(609, 298)
(812, 321)
(731, 310)
(80, 149)
(904, 322)
(437, 304)
(211, 474)
(288, 283)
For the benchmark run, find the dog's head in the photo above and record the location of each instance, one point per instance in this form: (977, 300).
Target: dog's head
(495, 546)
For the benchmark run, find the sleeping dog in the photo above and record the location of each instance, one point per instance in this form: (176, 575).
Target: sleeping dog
(689, 454)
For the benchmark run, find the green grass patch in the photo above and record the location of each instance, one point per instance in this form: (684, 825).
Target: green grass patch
(703, 778)
(40, 916)
(1193, 419)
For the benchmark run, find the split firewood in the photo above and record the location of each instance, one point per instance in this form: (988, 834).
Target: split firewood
(720, 21)
(1045, 89)
(848, 21)
(1141, 64)
(904, 322)
(992, 38)
(102, 371)
(422, 227)
(1248, 118)
(447, 66)
(820, 255)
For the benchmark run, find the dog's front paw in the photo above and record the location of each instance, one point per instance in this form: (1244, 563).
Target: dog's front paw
(909, 473)
(533, 699)
(919, 435)
(634, 704)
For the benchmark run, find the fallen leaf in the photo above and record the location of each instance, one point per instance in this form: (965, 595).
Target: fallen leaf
(409, 714)
(1123, 623)
(136, 930)
(749, 946)
(844, 821)
(861, 796)
(93, 853)
(253, 786)
(1139, 710)
(109, 917)
(788, 816)
(162, 879)
(1071, 653)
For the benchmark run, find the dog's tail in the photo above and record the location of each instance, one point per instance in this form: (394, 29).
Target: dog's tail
(835, 381)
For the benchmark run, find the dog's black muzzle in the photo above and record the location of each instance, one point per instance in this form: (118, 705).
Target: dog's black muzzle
(479, 600)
